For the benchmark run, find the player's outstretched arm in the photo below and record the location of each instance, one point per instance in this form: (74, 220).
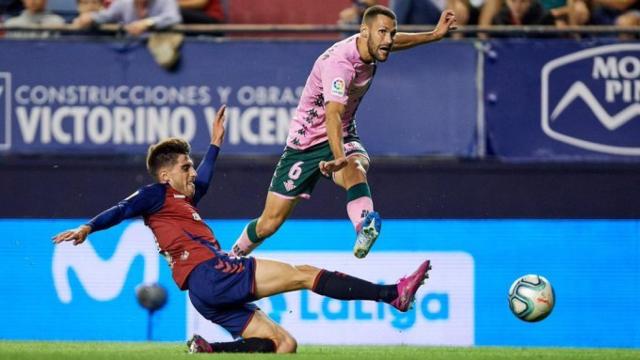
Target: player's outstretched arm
(447, 22)
(147, 200)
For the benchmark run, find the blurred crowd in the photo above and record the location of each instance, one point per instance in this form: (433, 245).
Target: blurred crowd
(136, 16)
(559, 13)
(140, 16)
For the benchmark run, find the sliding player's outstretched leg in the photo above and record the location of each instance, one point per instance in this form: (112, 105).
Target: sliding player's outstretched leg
(274, 277)
(263, 278)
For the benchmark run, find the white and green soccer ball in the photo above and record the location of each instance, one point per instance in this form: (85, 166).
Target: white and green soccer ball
(531, 298)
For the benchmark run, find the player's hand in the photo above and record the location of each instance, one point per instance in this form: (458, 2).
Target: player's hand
(217, 136)
(78, 235)
(447, 22)
(328, 167)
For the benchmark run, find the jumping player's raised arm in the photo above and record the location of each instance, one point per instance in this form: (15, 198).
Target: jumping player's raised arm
(207, 165)
(403, 41)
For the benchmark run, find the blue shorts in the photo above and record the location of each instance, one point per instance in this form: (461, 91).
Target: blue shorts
(221, 289)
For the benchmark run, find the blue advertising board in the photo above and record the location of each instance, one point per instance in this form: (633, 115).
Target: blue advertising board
(82, 96)
(87, 292)
(563, 99)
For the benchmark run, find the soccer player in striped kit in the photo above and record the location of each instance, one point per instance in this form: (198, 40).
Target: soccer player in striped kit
(222, 287)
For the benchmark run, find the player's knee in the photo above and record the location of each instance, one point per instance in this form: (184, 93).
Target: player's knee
(361, 164)
(307, 268)
(286, 344)
(306, 275)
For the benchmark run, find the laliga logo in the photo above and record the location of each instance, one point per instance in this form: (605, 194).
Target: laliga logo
(614, 79)
(103, 279)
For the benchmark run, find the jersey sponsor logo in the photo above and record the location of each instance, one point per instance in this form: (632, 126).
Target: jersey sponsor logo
(103, 280)
(338, 87)
(591, 99)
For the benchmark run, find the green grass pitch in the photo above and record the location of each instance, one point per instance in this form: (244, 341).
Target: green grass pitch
(10, 350)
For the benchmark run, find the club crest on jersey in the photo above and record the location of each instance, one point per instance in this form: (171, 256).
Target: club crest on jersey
(338, 87)
(289, 185)
(196, 216)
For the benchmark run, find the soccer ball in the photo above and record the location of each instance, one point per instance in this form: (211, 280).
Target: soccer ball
(531, 298)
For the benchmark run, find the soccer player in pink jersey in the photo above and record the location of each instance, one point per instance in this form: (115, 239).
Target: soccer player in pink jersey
(221, 287)
(322, 137)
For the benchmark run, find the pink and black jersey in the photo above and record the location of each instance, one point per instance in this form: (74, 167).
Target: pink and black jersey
(339, 75)
(183, 238)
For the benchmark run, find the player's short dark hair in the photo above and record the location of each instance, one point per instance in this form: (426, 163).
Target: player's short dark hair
(165, 153)
(376, 10)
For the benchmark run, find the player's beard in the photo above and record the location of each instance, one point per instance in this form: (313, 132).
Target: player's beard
(374, 51)
(190, 189)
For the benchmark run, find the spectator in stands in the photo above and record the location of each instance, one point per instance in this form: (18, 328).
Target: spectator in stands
(623, 13)
(467, 11)
(138, 16)
(474, 12)
(417, 12)
(34, 15)
(201, 11)
(521, 12)
(353, 14)
(9, 8)
(572, 13)
(543, 12)
(629, 17)
(607, 12)
(553, 4)
(88, 6)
